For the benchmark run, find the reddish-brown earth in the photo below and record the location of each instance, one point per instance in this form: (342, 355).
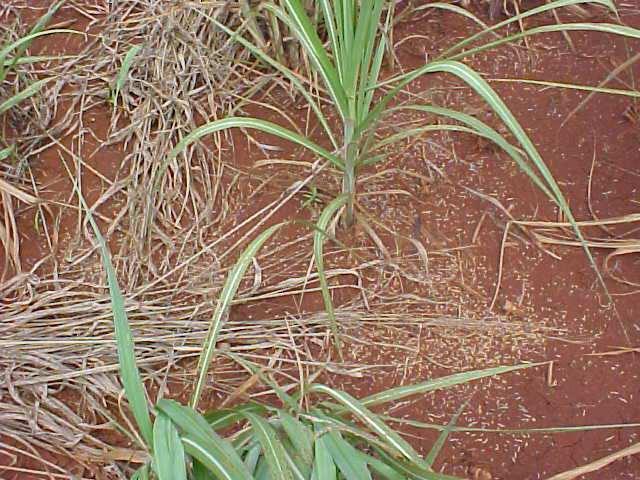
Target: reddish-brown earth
(582, 388)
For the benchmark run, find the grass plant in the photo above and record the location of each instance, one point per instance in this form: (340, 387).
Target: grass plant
(349, 62)
(340, 438)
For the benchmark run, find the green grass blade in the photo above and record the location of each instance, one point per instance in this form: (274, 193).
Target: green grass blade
(346, 457)
(382, 469)
(187, 419)
(290, 75)
(323, 466)
(482, 88)
(199, 471)
(329, 15)
(518, 18)
(6, 153)
(262, 470)
(482, 129)
(301, 437)
(206, 451)
(359, 56)
(225, 417)
(455, 9)
(370, 80)
(510, 431)
(127, 63)
(226, 296)
(22, 47)
(348, 16)
(398, 470)
(202, 443)
(620, 30)
(38, 27)
(395, 441)
(13, 60)
(272, 448)
(252, 457)
(284, 397)
(240, 122)
(399, 393)
(413, 132)
(337, 8)
(141, 474)
(300, 469)
(26, 40)
(319, 235)
(129, 373)
(571, 86)
(306, 34)
(31, 90)
(444, 434)
(168, 452)
(412, 471)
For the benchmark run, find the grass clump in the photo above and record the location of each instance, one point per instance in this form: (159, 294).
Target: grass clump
(340, 438)
(348, 64)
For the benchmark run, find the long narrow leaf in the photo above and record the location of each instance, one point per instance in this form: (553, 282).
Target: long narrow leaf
(301, 437)
(458, 10)
(482, 88)
(199, 471)
(33, 59)
(287, 399)
(511, 431)
(484, 130)
(368, 86)
(381, 468)
(252, 457)
(31, 90)
(6, 153)
(129, 373)
(323, 466)
(555, 5)
(38, 27)
(290, 75)
(301, 470)
(318, 246)
(620, 30)
(272, 448)
(123, 74)
(26, 40)
(412, 471)
(201, 442)
(499, 107)
(329, 14)
(444, 434)
(572, 86)
(370, 419)
(226, 296)
(346, 457)
(308, 37)
(399, 393)
(240, 122)
(206, 451)
(225, 417)
(168, 452)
